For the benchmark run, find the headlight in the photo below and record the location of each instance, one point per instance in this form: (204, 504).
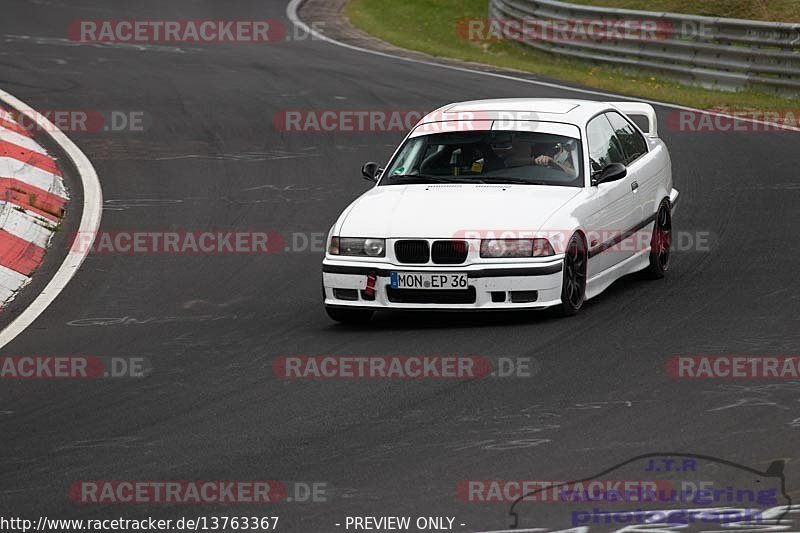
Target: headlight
(542, 248)
(357, 247)
(329, 241)
(494, 248)
(333, 246)
(375, 247)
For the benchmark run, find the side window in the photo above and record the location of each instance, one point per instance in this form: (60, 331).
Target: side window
(604, 147)
(632, 141)
(407, 157)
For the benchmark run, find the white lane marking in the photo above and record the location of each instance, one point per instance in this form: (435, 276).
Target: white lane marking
(42, 179)
(20, 140)
(90, 220)
(294, 5)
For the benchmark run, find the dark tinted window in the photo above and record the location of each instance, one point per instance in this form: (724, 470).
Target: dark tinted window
(633, 143)
(604, 147)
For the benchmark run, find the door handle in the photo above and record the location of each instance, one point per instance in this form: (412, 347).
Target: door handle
(634, 186)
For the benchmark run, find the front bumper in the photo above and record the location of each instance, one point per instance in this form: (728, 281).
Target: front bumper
(528, 285)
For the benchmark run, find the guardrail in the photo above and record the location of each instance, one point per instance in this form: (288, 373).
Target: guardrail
(721, 53)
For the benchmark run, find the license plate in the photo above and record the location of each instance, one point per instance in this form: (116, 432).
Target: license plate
(425, 280)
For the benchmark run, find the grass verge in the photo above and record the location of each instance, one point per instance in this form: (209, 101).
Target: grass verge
(429, 26)
(772, 10)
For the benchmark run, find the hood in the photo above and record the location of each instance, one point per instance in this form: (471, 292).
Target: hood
(445, 210)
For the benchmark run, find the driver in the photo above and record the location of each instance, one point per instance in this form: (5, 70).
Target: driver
(558, 155)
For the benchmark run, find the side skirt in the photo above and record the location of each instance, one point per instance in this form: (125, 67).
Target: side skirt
(603, 280)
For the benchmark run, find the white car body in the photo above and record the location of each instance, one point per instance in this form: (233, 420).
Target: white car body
(614, 218)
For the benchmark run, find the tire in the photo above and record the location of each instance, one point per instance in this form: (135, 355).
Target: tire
(660, 243)
(349, 316)
(573, 286)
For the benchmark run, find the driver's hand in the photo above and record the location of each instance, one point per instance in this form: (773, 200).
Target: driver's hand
(543, 160)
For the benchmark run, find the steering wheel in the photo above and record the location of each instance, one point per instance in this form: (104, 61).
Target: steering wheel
(552, 164)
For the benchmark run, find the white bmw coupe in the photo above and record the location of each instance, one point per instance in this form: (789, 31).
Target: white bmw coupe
(505, 204)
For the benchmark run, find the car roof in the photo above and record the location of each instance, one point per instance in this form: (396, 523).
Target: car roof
(576, 112)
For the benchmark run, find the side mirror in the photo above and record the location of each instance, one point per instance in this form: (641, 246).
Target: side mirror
(612, 172)
(370, 171)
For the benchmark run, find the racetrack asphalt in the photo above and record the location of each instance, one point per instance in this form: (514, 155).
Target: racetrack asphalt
(211, 325)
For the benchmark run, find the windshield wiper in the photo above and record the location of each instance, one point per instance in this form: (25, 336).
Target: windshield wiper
(424, 177)
(502, 179)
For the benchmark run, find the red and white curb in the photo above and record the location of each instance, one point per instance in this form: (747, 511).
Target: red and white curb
(32, 202)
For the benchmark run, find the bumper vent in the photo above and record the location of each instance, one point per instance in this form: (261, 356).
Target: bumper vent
(519, 297)
(416, 252)
(415, 296)
(449, 252)
(345, 294)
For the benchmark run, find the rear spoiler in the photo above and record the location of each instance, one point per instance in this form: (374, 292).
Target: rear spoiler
(638, 108)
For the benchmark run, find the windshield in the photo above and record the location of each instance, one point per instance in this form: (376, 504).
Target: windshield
(518, 157)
